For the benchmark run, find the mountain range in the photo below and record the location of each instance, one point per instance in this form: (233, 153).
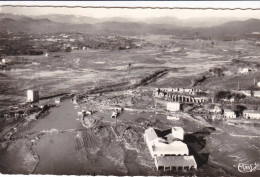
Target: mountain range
(161, 25)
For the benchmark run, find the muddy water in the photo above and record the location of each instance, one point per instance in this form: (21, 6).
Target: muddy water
(131, 164)
(63, 117)
(58, 155)
(57, 151)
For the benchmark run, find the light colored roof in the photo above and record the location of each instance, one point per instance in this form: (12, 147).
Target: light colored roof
(228, 110)
(175, 147)
(177, 129)
(176, 161)
(173, 103)
(150, 134)
(252, 111)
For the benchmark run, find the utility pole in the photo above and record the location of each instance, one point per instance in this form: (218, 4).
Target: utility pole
(254, 81)
(238, 86)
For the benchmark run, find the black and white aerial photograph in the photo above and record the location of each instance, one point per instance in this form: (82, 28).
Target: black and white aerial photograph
(100, 91)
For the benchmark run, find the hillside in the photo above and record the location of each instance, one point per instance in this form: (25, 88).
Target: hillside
(86, 25)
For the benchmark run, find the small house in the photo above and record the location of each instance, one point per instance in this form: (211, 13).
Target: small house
(216, 109)
(256, 93)
(172, 117)
(57, 100)
(3, 62)
(173, 106)
(251, 114)
(244, 70)
(246, 92)
(229, 114)
(32, 95)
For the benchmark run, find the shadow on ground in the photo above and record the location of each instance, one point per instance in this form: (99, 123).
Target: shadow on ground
(196, 143)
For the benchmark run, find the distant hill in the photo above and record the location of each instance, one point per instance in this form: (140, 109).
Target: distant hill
(119, 26)
(234, 28)
(239, 27)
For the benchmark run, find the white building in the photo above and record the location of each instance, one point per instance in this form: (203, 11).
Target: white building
(173, 106)
(3, 61)
(246, 92)
(244, 70)
(229, 114)
(57, 100)
(32, 95)
(178, 133)
(173, 117)
(258, 84)
(251, 114)
(160, 146)
(216, 109)
(256, 93)
(169, 153)
(175, 163)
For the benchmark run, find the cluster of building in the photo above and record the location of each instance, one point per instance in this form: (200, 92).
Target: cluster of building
(168, 149)
(172, 95)
(255, 93)
(230, 114)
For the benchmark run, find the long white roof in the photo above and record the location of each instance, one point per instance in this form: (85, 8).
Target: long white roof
(176, 161)
(175, 147)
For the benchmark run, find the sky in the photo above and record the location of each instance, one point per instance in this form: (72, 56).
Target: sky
(134, 13)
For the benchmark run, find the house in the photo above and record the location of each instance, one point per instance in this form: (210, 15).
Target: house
(246, 92)
(172, 117)
(57, 100)
(256, 93)
(216, 109)
(244, 70)
(173, 106)
(229, 114)
(32, 95)
(251, 114)
(3, 62)
(216, 116)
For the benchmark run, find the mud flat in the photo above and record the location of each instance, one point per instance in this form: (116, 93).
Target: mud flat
(18, 158)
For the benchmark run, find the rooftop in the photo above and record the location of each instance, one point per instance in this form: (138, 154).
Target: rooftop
(175, 146)
(228, 110)
(252, 111)
(176, 161)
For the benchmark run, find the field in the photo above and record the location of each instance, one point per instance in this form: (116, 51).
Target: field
(66, 72)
